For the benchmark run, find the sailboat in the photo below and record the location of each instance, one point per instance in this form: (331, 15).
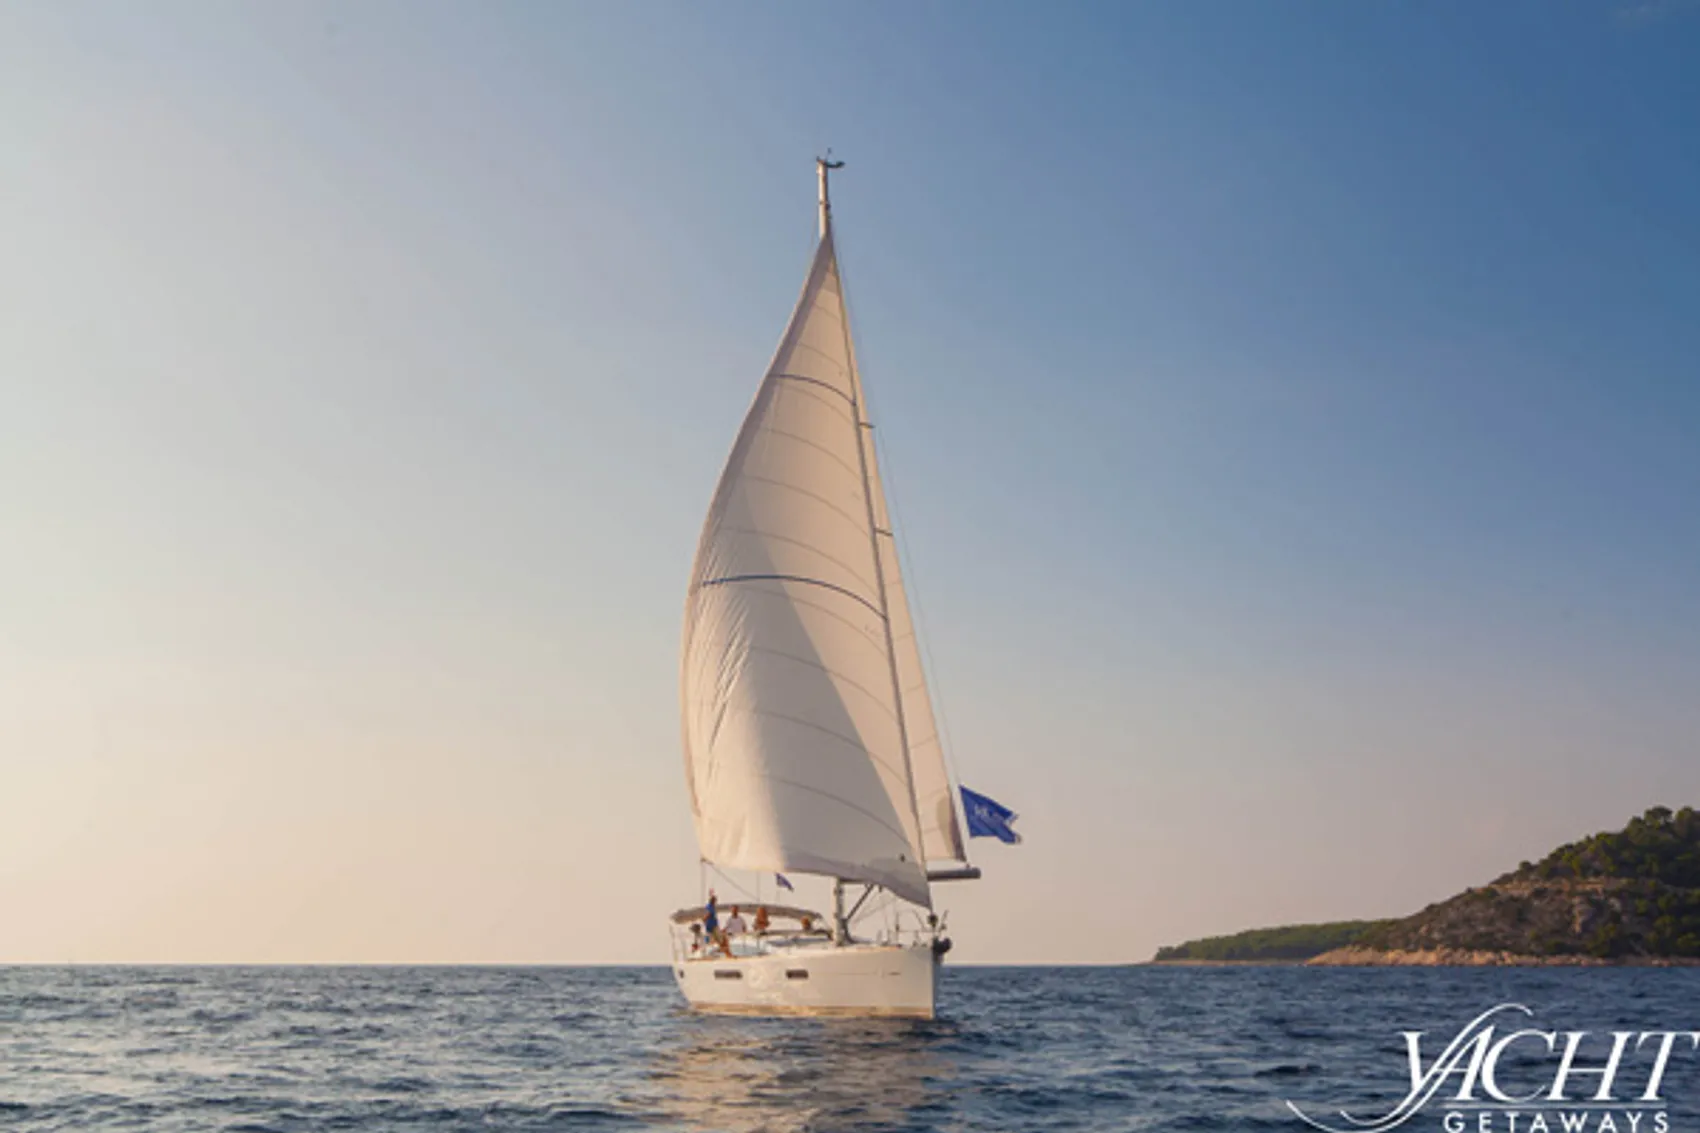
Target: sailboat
(810, 740)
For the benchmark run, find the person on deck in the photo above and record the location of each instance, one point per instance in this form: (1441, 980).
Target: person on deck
(735, 924)
(762, 921)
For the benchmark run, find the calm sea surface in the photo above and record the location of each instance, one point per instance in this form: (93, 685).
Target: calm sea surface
(1029, 1049)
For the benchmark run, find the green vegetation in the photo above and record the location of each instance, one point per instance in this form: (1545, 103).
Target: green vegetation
(1623, 895)
(1290, 943)
(1659, 846)
(1627, 895)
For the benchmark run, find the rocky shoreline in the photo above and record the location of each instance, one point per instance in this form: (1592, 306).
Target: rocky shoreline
(1353, 957)
(1189, 963)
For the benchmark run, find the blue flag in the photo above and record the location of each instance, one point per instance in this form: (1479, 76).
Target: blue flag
(988, 819)
(783, 884)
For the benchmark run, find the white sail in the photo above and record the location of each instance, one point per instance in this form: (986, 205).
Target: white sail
(793, 733)
(935, 798)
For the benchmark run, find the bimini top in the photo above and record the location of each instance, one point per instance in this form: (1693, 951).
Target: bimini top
(686, 916)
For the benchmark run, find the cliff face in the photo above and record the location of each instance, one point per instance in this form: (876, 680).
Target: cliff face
(1632, 896)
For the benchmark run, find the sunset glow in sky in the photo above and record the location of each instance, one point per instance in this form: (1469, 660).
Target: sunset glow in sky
(1292, 415)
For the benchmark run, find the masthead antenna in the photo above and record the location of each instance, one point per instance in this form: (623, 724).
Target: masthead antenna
(824, 165)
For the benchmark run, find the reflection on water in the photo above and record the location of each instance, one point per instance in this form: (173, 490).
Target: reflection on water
(614, 1050)
(820, 1075)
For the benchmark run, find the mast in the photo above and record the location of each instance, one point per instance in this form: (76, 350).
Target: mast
(824, 165)
(863, 426)
(840, 921)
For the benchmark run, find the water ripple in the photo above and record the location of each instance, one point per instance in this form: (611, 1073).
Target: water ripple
(289, 1050)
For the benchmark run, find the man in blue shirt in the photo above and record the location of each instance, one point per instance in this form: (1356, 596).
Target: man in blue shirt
(711, 919)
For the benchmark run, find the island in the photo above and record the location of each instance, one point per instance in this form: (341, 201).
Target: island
(1287, 944)
(1630, 896)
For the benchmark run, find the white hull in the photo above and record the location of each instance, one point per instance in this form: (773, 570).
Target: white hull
(858, 979)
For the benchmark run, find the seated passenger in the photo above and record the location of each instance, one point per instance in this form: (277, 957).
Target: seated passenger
(762, 923)
(735, 923)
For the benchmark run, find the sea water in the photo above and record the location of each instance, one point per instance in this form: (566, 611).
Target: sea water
(1029, 1049)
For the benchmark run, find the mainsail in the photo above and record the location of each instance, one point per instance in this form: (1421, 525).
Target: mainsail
(809, 737)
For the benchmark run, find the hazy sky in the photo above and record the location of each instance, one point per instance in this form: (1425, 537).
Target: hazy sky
(1293, 414)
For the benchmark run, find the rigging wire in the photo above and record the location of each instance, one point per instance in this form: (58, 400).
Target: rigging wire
(729, 881)
(911, 591)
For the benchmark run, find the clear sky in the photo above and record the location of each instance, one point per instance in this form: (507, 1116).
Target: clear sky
(1292, 411)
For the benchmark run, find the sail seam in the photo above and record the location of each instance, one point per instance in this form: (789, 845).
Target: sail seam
(822, 382)
(840, 411)
(829, 286)
(825, 731)
(883, 824)
(834, 673)
(816, 445)
(798, 600)
(816, 496)
(810, 548)
(792, 578)
(812, 348)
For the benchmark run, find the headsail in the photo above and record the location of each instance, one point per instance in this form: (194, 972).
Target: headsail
(794, 738)
(935, 801)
